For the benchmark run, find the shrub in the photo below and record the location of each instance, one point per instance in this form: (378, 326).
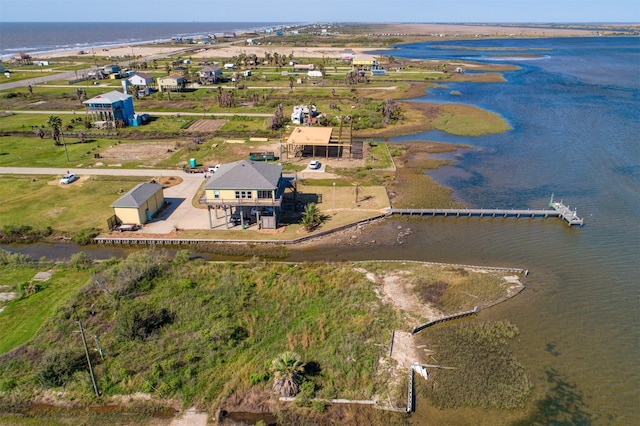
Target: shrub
(85, 236)
(28, 288)
(137, 321)
(23, 234)
(133, 276)
(256, 378)
(80, 261)
(58, 367)
(8, 258)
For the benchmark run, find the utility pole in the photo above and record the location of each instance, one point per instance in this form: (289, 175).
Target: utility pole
(334, 199)
(86, 351)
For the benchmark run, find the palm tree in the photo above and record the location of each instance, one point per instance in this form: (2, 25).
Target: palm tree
(311, 216)
(287, 369)
(55, 123)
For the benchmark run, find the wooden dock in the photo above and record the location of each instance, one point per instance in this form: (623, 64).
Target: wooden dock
(557, 210)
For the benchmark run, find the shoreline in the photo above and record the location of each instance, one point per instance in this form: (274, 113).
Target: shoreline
(414, 32)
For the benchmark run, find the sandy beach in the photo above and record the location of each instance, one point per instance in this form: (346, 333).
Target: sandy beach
(196, 51)
(437, 31)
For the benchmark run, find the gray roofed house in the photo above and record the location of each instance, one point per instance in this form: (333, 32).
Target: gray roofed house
(210, 74)
(139, 204)
(142, 79)
(245, 174)
(247, 186)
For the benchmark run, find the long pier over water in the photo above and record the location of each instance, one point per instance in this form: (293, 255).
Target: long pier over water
(557, 209)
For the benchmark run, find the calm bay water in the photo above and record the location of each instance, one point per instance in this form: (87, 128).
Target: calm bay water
(575, 113)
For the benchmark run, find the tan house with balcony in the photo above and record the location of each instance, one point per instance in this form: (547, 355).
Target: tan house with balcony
(248, 192)
(171, 83)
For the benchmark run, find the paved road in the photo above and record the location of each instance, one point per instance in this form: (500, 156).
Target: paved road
(158, 113)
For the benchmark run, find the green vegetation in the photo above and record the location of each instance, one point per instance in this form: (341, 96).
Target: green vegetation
(485, 373)
(412, 188)
(466, 120)
(66, 208)
(456, 290)
(287, 369)
(23, 317)
(311, 217)
(200, 332)
(209, 333)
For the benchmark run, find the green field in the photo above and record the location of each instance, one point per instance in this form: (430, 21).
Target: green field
(22, 318)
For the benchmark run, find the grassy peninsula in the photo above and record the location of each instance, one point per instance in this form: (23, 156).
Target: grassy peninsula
(180, 332)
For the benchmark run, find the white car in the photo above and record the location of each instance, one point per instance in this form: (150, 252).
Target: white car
(213, 169)
(314, 165)
(68, 178)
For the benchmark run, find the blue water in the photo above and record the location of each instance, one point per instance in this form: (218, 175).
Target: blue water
(39, 37)
(574, 110)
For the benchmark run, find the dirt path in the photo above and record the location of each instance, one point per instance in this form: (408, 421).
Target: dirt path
(190, 417)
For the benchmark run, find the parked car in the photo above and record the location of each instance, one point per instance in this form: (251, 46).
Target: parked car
(314, 165)
(68, 178)
(213, 169)
(235, 220)
(264, 211)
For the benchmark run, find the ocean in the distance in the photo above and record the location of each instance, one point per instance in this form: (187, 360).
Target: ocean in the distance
(38, 37)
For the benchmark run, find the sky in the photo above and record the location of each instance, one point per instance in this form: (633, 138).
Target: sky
(305, 11)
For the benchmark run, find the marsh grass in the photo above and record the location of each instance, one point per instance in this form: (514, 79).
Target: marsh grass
(466, 120)
(452, 290)
(486, 373)
(412, 188)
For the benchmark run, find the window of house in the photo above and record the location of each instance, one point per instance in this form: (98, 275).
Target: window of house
(265, 194)
(216, 194)
(243, 194)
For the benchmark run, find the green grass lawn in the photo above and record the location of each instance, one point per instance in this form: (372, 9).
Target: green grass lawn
(31, 151)
(22, 318)
(65, 208)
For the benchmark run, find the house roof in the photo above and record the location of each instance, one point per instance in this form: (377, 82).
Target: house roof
(108, 98)
(144, 75)
(138, 195)
(174, 78)
(211, 68)
(245, 174)
(310, 136)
